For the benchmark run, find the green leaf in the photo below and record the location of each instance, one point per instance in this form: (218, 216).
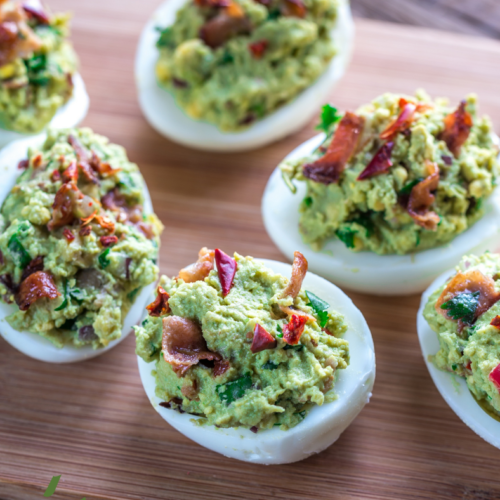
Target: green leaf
(269, 366)
(232, 391)
(328, 117)
(274, 14)
(36, 63)
(406, 189)
(18, 253)
(320, 308)
(297, 348)
(70, 293)
(367, 223)
(346, 235)
(280, 331)
(454, 367)
(65, 302)
(307, 201)
(226, 58)
(51, 488)
(165, 38)
(463, 306)
(259, 110)
(103, 258)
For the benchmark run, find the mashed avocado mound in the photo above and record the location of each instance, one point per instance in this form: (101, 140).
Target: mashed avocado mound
(240, 345)
(400, 175)
(465, 314)
(37, 64)
(232, 62)
(75, 245)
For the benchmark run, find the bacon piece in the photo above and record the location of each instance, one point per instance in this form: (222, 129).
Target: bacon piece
(494, 376)
(401, 123)
(258, 48)
(71, 173)
(107, 241)
(113, 200)
(421, 198)
(35, 10)
(200, 270)
(37, 160)
(220, 367)
(299, 271)
(293, 8)
(328, 168)
(64, 204)
(379, 164)
(83, 159)
(230, 22)
(495, 322)
(226, 268)
(457, 127)
(470, 281)
(68, 234)
(85, 231)
(159, 307)
(262, 340)
(36, 286)
(183, 344)
(294, 329)
(35, 265)
(104, 169)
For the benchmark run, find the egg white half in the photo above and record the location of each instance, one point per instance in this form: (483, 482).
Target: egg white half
(29, 343)
(452, 387)
(163, 114)
(69, 115)
(322, 426)
(366, 271)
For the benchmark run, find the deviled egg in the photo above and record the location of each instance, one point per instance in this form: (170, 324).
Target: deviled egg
(391, 196)
(39, 83)
(251, 364)
(78, 245)
(231, 75)
(459, 331)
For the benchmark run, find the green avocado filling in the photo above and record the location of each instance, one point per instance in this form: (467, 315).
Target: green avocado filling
(373, 213)
(37, 77)
(469, 343)
(235, 63)
(274, 387)
(97, 262)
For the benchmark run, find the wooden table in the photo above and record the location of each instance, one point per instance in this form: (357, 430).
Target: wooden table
(92, 422)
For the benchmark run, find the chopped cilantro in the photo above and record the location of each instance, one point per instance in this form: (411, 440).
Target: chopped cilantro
(269, 366)
(463, 306)
(406, 189)
(346, 235)
(226, 58)
(233, 390)
(454, 367)
(165, 38)
(307, 201)
(70, 293)
(18, 253)
(273, 14)
(144, 321)
(301, 414)
(258, 109)
(367, 223)
(320, 308)
(328, 117)
(479, 204)
(103, 258)
(297, 348)
(280, 331)
(418, 239)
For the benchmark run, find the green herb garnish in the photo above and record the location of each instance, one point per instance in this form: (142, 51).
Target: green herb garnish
(280, 331)
(320, 307)
(70, 293)
(346, 235)
(165, 39)
(301, 414)
(463, 306)
(18, 253)
(297, 348)
(269, 366)
(454, 367)
(367, 223)
(234, 390)
(307, 201)
(226, 58)
(259, 110)
(406, 189)
(328, 117)
(103, 258)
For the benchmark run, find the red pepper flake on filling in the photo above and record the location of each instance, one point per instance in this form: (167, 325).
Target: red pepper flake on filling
(55, 176)
(262, 340)
(107, 241)
(23, 164)
(457, 127)
(379, 164)
(494, 376)
(71, 173)
(258, 48)
(495, 322)
(159, 307)
(36, 286)
(401, 123)
(328, 168)
(226, 268)
(68, 234)
(294, 329)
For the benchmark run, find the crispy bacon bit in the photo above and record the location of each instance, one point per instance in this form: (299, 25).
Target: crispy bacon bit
(35, 10)
(183, 344)
(291, 310)
(145, 229)
(23, 164)
(470, 281)
(36, 286)
(457, 127)
(83, 159)
(200, 270)
(104, 169)
(226, 268)
(294, 329)
(328, 168)
(495, 322)
(257, 49)
(293, 8)
(379, 164)
(401, 123)
(190, 390)
(107, 241)
(113, 200)
(55, 176)
(421, 106)
(37, 160)
(494, 376)
(68, 234)
(70, 174)
(85, 231)
(35, 265)
(64, 203)
(220, 367)
(231, 21)
(421, 199)
(159, 307)
(262, 340)
(299, 271)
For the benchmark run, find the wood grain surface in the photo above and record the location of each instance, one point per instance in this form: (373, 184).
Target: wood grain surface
(92, 422)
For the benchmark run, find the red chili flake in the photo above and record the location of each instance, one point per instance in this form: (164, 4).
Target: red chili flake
(90, 218)
(257, 49)
(220, 367)
(293, 8)
(401, 123)
(70, 174)
(494, 376)
(105, 169)
(83, 158)
(36, 286)
(107, 241)
(448, 160)
(106, 223)
(226, 268)
(37, 160)
(55, 176)
(85, 231)
(421, 199)
(495, 322)
(457, 127)
(254, 429)
(23, 164)
(35, 10)
(262, 340)
(379, 164)
(294, 329)
(328, 168)
(159, 307)
(68, 234)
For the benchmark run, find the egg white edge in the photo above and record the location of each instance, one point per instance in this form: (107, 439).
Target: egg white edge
(453, 388)
(69, 115)
(366, 271)
(34, 345)
(322, 426)
(169, 119)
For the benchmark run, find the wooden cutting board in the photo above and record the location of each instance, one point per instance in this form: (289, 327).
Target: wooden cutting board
(92, 422)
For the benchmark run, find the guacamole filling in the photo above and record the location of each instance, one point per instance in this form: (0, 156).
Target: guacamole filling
(465, 314)
(37, 64)
(240, 345)
(232, 62)
(75, 244)
(400, 175)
